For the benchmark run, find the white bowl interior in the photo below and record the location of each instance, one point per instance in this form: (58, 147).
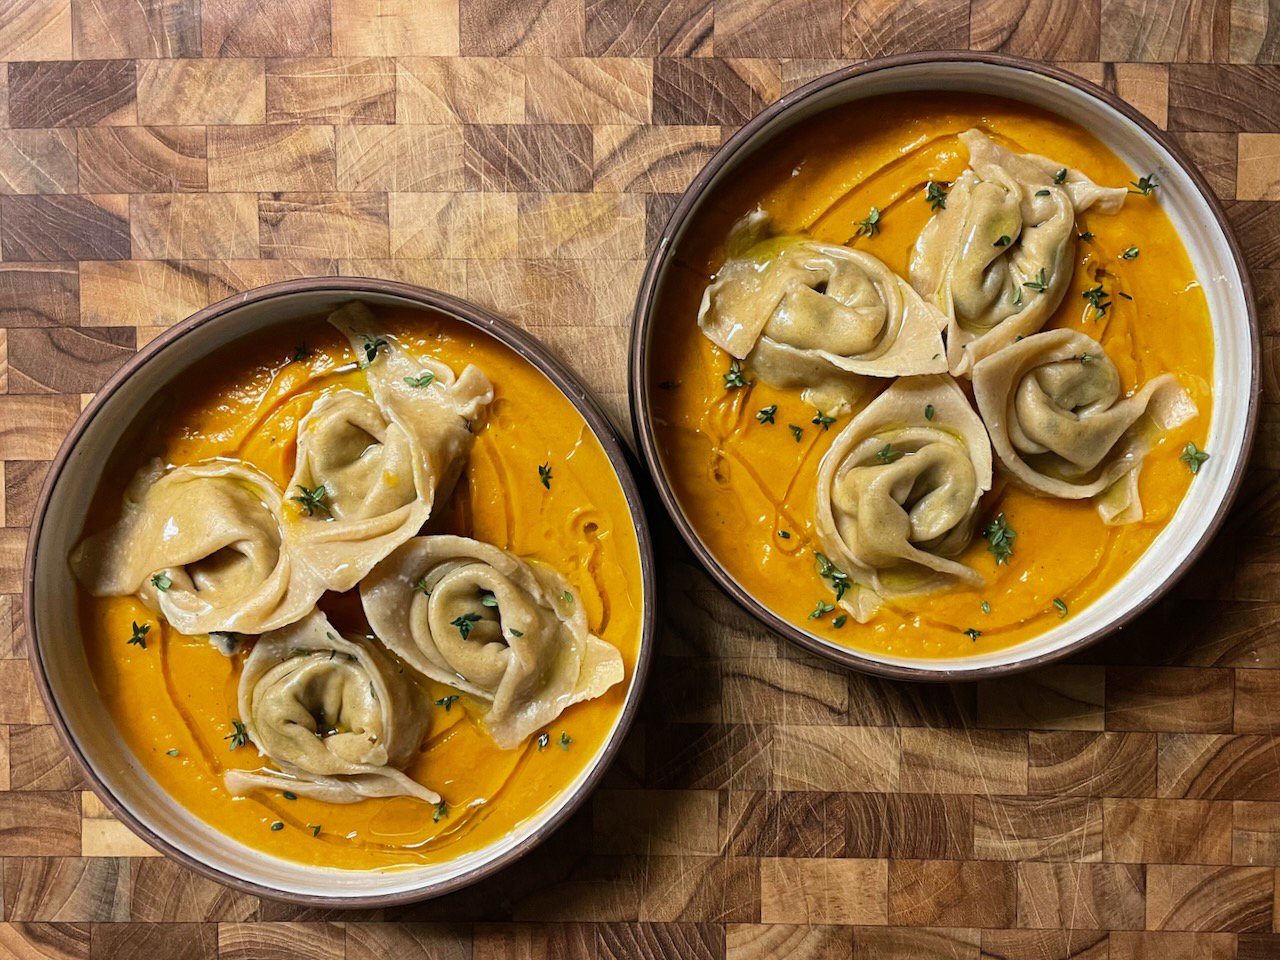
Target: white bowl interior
(58, 636)
(1214, 265)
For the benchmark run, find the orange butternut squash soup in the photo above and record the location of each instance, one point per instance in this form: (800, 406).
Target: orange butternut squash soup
(365, 593)
(933, 375)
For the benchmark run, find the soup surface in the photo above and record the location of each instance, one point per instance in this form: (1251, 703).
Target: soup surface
(749, 487)
(174, 700)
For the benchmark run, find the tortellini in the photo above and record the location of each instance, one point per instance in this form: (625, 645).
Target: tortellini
(204, 545)
(218, 548)
(508, 631)
(336, 715)
(998, 258)
(898, 493)
(817, 315)
(381, 462)
(1062, 425)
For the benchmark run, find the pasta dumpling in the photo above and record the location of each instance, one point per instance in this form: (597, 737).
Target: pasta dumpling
(370, 470)
(508, 631)
(335, 715)
(898, 494)
(1062, 425)
(998, 258)
(204, 544)
(817, 315)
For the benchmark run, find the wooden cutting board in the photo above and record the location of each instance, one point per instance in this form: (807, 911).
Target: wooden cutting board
(157, 155)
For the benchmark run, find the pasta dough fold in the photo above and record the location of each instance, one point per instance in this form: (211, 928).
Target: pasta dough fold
(383, 462)
(204, 545)
(998, 258)
(1061, 424)
(508, 631)
(817, 315)
(898, 494)
(335, 715)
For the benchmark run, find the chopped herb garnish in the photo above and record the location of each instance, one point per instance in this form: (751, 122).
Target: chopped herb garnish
(301, 352)
(567, 597)
(289, 795)
(172, 751)
(314, 828)
(765, 414)
(887, 454)
(371, 347)
(565, 740)
(277, 825)
(312, 499)
(986, 607)
(514, 632)
(928, 411)
(465, 622)
(487, 599)
(420, 381)
(669, 384)
(822, 420)
(1060, 176)
(421, 586)
(734, 378)
(1039, 284)
(543, 740)
(821, 610)
(869, 226)
(936, 196)
(1144, 185)
(1017, 297)
(1086, 236)
(447, 702)
(829, 571)
(1097, 298)
(238, 736)
(1129, 254)
(1043, 193)
(999, 536)
(784, 535)
(840, 621)
(796, 432)
(1003, 240)
(1085, 358)
(544, 474)
(973, 634)
(140, 632)
(161, 581)
(442, 811)
(1125, 295)
(1193, 457)
(1061, 605)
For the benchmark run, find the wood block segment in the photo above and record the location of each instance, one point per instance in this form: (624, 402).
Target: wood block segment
(351, 90)
(72, 94)
(142, 160)
(36, 30)
(178, 92)
(823, 891)
(57, 228)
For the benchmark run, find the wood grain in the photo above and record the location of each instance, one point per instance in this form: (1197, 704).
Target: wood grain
(158, 155)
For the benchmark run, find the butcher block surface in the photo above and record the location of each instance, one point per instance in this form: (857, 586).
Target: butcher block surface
(159, 155)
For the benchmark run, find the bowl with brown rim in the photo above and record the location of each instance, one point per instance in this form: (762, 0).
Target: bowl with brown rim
(57, 653)
(1195, 214)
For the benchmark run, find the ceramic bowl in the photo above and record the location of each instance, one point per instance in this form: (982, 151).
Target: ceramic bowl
(57, 653)
(1195, 213)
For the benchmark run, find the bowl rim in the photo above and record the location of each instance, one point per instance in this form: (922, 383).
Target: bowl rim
(643, 323)
(530, 349)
